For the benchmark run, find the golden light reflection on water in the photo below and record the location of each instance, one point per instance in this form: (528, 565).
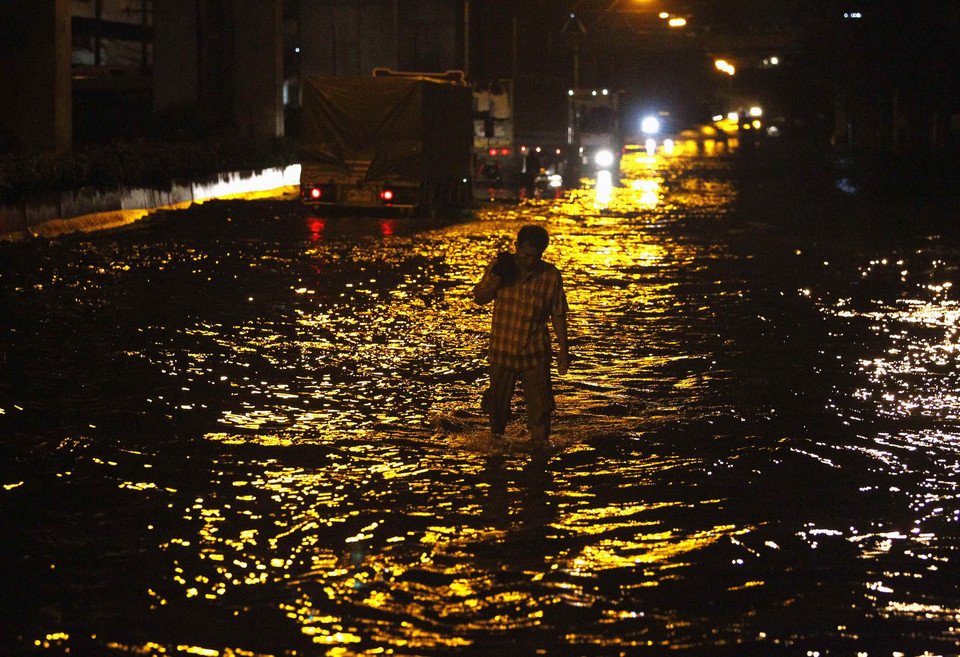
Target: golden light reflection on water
(371, 347)
(347, 482)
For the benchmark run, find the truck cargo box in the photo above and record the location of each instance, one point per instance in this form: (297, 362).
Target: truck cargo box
(386, 141)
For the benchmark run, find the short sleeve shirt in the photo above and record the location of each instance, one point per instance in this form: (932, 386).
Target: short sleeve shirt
(519, 336)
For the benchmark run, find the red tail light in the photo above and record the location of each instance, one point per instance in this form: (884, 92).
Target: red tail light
(315, 193)
(387, 195)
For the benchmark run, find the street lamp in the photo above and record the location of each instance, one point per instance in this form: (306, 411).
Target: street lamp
(725, 66)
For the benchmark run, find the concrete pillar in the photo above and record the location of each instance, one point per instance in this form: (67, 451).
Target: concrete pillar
(223, 59)
(35, 50)
(175, 52)
(258, 68)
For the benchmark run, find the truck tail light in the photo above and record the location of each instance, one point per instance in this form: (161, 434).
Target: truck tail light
(386, 195)
(322, 193)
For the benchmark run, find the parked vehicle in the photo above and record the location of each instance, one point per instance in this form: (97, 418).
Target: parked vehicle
(402, 141)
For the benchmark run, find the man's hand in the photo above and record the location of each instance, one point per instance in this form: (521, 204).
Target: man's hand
(486, 290)
(563, 362)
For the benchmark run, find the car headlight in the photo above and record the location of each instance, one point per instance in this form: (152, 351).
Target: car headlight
(650, 125)
(603, 158)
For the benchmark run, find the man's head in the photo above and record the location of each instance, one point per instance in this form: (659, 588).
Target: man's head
(535, 236)
(531, 243)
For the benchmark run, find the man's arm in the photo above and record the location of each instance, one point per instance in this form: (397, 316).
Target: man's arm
(486, 290)
(559, 322)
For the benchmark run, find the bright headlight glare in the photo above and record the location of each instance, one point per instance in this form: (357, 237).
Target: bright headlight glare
(650, 125)
(604, 158)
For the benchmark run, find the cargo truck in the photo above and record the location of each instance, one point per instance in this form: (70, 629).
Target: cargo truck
(497, 164)
(402, 141)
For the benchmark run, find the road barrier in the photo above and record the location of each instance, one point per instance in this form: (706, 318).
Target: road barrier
(87, 209)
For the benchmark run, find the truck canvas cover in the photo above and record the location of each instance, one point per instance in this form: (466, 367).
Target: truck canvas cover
(387, 128)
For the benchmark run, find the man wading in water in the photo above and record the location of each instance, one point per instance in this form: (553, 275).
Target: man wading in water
(526, 293)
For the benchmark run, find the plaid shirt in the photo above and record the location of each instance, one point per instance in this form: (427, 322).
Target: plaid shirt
(519, 338)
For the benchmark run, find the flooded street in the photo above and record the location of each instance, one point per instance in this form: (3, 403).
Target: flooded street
(241, 430)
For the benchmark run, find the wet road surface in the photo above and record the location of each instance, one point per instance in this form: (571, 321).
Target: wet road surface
(240, 430)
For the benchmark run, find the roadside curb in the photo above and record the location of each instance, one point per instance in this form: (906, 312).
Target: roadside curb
(87, 210)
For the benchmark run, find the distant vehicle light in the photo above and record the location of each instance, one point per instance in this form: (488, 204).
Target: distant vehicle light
(557, 151)
(650, 125)
(677, 22)
(504, 151)
(603, 158)
(315, 192)
(387, 195)
(556, 180)
(756, 111)
(773, 131)
(733, 116)
(668, 146)
(756, 124)
(651, 146)
(492, 152)
(718, 117)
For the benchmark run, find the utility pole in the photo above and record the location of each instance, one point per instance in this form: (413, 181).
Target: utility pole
(466, 39)
(97, 31)
(144, 59)
(574, 30)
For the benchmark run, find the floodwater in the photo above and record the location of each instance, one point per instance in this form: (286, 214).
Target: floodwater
(238, 430)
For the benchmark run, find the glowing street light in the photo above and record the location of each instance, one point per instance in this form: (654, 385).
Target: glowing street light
(725, 66)
(672, 21)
